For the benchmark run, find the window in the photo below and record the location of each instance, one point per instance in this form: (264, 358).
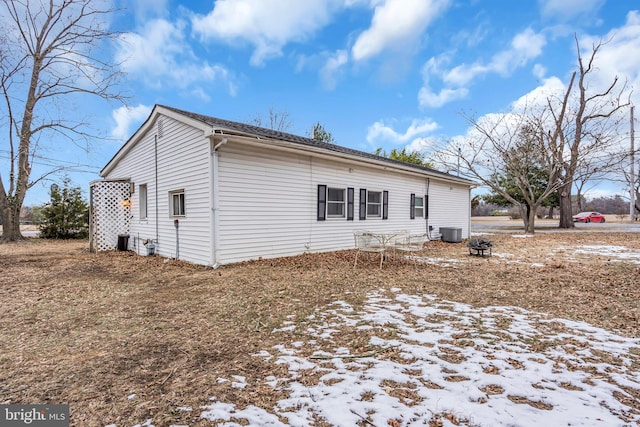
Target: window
(335, 203)
(176, 203)
(332, 204)
(142, 196)
(374, 204)
(419, 207)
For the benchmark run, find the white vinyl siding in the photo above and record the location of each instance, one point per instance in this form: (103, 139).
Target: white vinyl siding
(183, 163)
(449, 206)
(267, 197)
(268, 203)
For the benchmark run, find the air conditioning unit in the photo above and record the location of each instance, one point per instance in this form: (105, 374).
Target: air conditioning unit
(451, 235)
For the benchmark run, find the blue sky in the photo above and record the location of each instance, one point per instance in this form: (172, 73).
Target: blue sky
(374, 73)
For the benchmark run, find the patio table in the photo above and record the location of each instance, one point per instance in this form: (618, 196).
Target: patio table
(378, 242)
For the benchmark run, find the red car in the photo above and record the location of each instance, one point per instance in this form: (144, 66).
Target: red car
(588, 217)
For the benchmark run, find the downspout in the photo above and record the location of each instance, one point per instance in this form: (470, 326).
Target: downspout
(215, 199)
(469, 225)
(426, 209)
(155, 149)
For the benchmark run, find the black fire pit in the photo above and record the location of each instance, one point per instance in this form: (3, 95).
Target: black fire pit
(480, 246)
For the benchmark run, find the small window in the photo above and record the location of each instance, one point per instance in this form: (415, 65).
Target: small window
(142, 196)
(374, 204)
(419, 207)
(176, 203)
(335, 203)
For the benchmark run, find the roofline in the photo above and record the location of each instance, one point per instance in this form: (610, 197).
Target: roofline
(142, 130)
(261, 136)
(380, 162)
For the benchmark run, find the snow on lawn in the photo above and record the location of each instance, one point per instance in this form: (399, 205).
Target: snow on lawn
(449, 363)
(617, 253)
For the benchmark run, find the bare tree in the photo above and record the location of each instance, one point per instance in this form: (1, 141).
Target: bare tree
(49, 57)
(571, 138)
(585, 126)
(506, 154)
(277, 120)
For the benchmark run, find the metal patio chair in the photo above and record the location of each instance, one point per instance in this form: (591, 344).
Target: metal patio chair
(368, 242)
(411, 244)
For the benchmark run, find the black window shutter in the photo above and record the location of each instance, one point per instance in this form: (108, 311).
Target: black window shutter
(322, 202)
(350, 204)
(412, 212)
(426, 206)
(363, 204)
(385, 205)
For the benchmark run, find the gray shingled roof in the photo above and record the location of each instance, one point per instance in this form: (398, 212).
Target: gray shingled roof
(283, 136)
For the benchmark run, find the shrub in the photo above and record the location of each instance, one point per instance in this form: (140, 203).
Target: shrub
(66, 215)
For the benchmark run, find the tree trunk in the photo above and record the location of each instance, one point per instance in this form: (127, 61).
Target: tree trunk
(10, 225)
(566, 212)
(524, 213)
(531, 226)
(578, 201)
(550, 214)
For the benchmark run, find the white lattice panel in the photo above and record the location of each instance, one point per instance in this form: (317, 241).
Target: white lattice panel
(111, 213)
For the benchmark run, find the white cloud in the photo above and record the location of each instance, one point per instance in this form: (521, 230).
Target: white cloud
(428, 98)
(125, 117)
(567, 9)
(147, 9)
(396, 24)
(159, 54)
(524, 47)
(332, 68)
(423, 145)
(618, 56)
(551, 87)
(268, 25)
(152, 51)
(540, 71)
(379, 133)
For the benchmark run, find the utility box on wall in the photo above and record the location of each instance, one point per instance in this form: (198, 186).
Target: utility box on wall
(451, 235)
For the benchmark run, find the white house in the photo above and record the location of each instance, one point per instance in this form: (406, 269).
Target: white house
(215, 192)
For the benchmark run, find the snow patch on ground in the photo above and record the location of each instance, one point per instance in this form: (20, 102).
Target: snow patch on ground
(617, 253)
(439, 360)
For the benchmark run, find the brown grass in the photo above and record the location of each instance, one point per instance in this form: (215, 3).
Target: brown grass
(90, 330)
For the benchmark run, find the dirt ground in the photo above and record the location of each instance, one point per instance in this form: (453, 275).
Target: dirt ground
(91, 330)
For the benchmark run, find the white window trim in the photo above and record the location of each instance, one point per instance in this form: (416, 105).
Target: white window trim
(380, 204)
(143, 200)
(418, 210)
(172, 194)
(343, 203)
